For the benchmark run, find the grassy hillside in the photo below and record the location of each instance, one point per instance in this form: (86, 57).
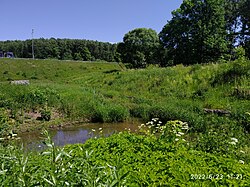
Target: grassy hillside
(212, 99)
(105, 92)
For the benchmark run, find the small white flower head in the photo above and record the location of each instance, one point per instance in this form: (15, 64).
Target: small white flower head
(234, 140)
(183, 140)
(184, 128)
(176, 139)
(100, 129)
(241, 162)
(93, 130)
(178, 135)
(232, 143)
(160, 122)
(243, 152)
(181, 133)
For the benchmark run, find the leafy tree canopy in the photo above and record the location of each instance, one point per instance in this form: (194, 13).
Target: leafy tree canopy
(196, 33)
(139, 47)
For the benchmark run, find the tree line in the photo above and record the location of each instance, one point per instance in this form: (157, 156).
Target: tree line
(63, 49)
(200, 31)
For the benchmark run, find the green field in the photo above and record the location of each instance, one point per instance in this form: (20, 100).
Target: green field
(213, 99)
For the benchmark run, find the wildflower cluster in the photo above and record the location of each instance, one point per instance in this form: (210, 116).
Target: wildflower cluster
(172, 130)
(177, 129)
(154, 126)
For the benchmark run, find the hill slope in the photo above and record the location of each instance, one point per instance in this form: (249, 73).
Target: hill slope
(105, 92)
(213, 100)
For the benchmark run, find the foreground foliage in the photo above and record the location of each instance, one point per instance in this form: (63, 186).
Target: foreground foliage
(125, 159)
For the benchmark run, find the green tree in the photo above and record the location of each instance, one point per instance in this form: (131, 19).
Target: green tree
(139, 47)
(86, 55)
(196, 33)
(245, 10)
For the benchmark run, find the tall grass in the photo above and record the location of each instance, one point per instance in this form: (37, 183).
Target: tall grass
(103, 92)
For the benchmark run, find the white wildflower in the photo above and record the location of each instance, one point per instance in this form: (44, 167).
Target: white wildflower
(234, 140)
(176, 139)
(232, 143)
(241, 162)
(181, 133)
(243, 152)
(185, 127)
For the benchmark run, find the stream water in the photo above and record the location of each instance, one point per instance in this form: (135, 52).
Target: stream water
(75, 134)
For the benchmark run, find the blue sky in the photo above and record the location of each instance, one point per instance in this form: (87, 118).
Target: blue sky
(101, 20)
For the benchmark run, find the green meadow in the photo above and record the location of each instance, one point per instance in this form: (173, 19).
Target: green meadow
(213, 99)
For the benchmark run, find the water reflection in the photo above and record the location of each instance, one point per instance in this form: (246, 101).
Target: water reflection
(70, 137)
(75, 134)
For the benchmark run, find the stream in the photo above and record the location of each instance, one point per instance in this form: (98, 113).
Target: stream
(75, 134)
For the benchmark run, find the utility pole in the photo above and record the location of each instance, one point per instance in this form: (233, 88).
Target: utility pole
(33, 55)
